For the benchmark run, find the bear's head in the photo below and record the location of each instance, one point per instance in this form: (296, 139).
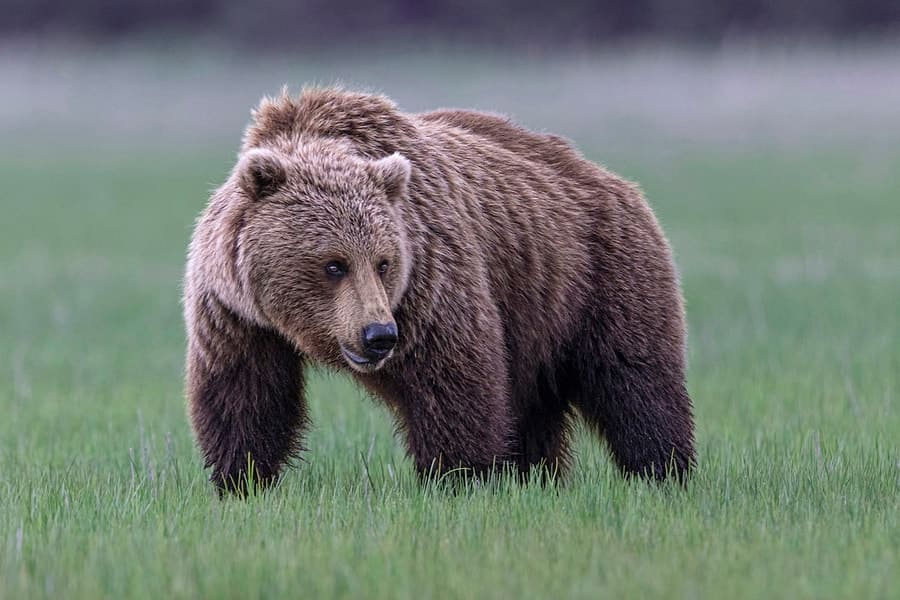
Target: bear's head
(319, 250)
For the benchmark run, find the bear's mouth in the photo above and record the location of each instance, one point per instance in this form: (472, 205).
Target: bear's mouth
(362, 363)
(355, 358)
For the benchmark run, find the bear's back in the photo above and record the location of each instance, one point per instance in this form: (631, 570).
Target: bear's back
(552, 150)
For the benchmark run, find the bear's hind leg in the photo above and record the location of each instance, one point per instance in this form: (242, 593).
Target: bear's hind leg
(644, 412)
(542, 445)
(542, 432)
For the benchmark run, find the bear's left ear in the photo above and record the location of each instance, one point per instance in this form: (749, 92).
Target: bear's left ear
(393, 173)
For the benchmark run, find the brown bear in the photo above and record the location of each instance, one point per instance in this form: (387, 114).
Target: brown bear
(486, 282)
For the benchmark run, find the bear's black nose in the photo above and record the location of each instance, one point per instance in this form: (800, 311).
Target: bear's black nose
(378, 339)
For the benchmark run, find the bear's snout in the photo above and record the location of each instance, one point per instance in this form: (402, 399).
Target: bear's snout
(378, 339)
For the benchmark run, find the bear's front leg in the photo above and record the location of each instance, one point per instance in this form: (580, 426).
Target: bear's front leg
(453, 403)
(245, 393)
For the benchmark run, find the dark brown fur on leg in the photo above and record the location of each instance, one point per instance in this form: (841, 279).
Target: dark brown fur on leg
(542, 434)
(459, 425)
(630, 350)
(244, 387)
(543, 446)
(645, 415)
(454, 406)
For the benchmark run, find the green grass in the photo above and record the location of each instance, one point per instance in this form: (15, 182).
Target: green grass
(791, 267)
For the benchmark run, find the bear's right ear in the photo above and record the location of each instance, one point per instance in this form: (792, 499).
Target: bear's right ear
(393, 172)
(261, 172)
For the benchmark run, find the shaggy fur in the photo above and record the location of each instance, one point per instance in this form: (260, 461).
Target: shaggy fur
(528, 286)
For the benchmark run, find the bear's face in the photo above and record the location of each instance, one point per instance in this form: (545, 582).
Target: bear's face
(323, 251)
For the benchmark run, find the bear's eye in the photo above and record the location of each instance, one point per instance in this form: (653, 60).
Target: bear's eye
(336, 269)
(382, 267)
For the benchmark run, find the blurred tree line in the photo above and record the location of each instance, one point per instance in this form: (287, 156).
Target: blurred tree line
(316, 22)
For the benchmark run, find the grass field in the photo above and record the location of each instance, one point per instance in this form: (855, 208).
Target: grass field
(790, 258)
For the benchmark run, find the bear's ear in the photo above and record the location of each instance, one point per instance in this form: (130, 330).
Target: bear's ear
(393, 173)
(261, 172)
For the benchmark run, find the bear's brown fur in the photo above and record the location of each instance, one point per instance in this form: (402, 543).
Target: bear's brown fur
(527, 284)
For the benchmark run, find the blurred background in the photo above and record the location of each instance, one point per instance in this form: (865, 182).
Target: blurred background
(645, 72)
(311, 23)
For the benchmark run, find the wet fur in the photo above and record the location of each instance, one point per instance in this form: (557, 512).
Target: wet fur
(529, 286)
